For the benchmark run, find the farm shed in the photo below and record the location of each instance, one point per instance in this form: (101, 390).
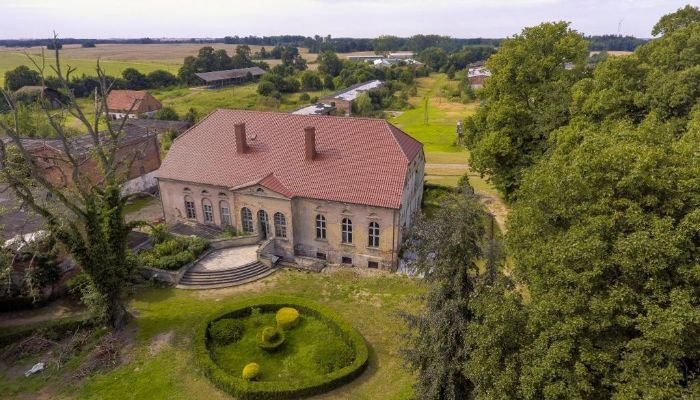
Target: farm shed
(227, 77)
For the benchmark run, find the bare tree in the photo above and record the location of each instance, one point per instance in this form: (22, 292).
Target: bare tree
(84, 213)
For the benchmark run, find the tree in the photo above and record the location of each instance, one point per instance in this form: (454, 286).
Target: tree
(266, 88)
(86, 217)
(88, 44)
(605, 233)
(363, 105)
(311, 81)
(447, 248)
(526, 98)
(135, 80)
(329, 63)
(21, 76)
(433, 57)
(161, 79)
(186, 73)
(167, 114)
(683, 17)
(386, 43)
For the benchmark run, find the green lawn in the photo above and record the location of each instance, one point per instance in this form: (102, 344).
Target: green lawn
(161, 364)
(293, 361)
(11, 59)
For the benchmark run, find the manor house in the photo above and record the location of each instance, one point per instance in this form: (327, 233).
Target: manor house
(339, 189)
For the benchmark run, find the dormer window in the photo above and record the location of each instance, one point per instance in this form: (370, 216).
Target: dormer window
(260, 190)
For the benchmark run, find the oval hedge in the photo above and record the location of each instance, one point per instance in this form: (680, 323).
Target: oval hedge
(277, 390)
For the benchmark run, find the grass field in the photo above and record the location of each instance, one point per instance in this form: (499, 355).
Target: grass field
(160, 363)
(240, 97)
(446, 161)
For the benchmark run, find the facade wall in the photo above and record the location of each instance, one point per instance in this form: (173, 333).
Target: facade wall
(306, 243)
(300, 217)
(412, 197)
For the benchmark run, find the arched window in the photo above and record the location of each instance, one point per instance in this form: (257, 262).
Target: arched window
(190, 210)
(225, 213)
(373, 235)
(280, 225)
(346, 230)
(208, 211)
(246, 220)
(320, 227)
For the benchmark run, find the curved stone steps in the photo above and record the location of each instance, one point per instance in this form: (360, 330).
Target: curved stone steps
(224, 278)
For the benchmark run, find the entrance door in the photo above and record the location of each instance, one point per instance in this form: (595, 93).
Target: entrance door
(264, 225)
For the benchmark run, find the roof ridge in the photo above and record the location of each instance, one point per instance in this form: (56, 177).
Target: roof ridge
(297, 115)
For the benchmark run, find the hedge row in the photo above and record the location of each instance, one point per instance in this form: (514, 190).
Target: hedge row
(254, 390)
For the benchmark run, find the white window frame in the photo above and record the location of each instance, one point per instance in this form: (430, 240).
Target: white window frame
(207, 211)
(373, 234)
(247, 220)
(280, 225)
(320, 227)
(346, 231)
(190, 208)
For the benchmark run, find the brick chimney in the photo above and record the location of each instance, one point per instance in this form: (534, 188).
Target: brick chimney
(241, 145)
(310, 143)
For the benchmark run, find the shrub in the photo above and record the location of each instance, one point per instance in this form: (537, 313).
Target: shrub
(270, 338)
(304, 97)
(287, 317)
(173, 253)
(263, 390)
(251, 371)
(160, 234)
(333, 357)
(225, 331)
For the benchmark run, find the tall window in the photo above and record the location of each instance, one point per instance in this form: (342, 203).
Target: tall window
(225, 212)
(373, 235)
(346, 230)
(280, 225)
(247, 220)
(189, 208)
(208, 211)
(320, 227)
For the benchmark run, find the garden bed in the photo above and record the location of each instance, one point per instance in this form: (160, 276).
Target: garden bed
(318, 353)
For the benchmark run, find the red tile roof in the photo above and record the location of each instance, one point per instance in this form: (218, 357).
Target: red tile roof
(121, 101)
(359, 160)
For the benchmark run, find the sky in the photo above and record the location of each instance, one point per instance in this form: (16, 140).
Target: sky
(339, 18)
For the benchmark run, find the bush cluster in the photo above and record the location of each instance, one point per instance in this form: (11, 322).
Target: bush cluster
(226, 331)
(174, 252)
(278, 390)
(251, 371)
(271, 338)
(287, 317)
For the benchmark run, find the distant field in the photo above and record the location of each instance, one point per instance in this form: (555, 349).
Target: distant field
(117, 57)
(11, 59)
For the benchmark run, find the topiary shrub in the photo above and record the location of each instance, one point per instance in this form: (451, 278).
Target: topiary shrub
(251, 371)
(270, 338)
(333, 357)
(225, 331)
(287, 317)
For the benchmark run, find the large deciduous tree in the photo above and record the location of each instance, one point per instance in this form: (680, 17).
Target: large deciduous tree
(526, 97)
(86, 215)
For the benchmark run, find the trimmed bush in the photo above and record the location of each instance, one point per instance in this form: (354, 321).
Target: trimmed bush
(173, 253)
(287, 317)
(225, 331)
(270, 338)
(251, 371)
(333, 357)
(271, 390)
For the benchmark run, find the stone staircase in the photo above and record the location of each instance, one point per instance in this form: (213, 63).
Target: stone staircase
(199, 279)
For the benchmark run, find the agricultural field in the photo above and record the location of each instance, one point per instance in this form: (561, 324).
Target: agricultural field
(158, 362)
